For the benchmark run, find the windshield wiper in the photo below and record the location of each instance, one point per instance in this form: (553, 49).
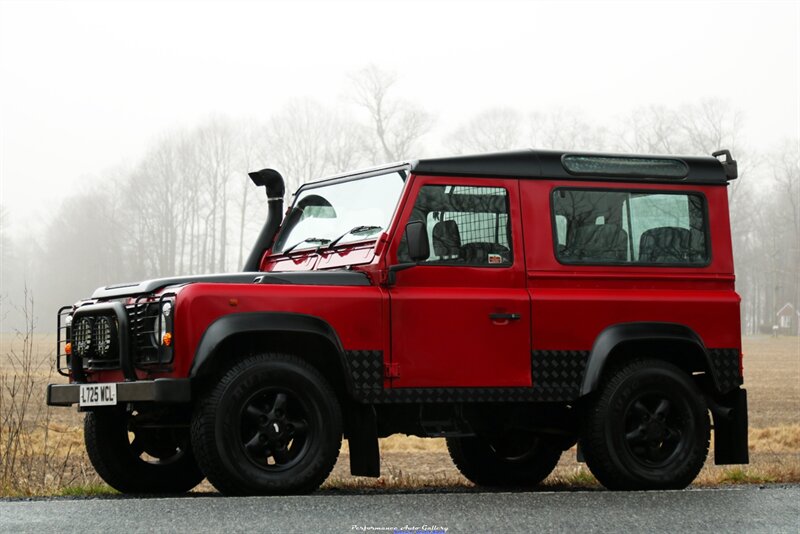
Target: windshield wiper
(320, 240)
(354, 231)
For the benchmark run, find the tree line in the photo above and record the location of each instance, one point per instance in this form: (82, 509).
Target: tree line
(187, 206)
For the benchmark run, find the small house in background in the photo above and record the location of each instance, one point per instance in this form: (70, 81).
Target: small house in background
(787, 320)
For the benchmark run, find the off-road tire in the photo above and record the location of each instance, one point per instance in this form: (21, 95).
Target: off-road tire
(241, 411)
(123, 466)
(631, 443)
(486, 464)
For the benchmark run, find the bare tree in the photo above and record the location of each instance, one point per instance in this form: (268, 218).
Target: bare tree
(786, 176)
(397, 123)
(216, 153)
(85, 246)
(188, 206)
(252, 155)
(652, 130)
(307, 141)
(565, 130)
(5, 257)
(491, 130)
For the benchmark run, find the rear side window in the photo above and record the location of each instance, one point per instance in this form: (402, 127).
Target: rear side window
(630, 227)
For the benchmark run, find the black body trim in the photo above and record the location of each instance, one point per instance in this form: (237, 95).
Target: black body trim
(447, 395)
(614, 335)
(168, 390)
(611, 337)
(724, 364)
(556, 378)
(339, 277)
(390, 168)
(548, 164)
(258, 322)
(535, 164)
(148, 286)
(557, 374)
(364, 373)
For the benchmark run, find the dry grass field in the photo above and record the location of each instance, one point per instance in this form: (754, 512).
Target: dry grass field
(41, 449)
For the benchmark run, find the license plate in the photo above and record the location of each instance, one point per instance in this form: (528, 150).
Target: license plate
(98, 395)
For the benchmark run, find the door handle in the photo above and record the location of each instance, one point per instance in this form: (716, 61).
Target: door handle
(505, 316)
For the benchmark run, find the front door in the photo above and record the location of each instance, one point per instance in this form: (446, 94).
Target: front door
(462, 317)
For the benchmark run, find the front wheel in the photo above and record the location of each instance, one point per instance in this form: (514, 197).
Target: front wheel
(134, 458)
(272, 425)
(647, 429)
(508, 460)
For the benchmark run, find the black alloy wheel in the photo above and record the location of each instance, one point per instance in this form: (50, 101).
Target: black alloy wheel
(133, 458)
(506, 459)
(271, 425)
(653, 429)
(274, 429)
(648, 428)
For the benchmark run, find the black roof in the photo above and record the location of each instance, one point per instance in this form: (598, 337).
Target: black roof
(549, 164)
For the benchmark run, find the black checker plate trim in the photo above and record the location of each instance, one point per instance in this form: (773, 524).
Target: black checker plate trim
(726, 368)
(557, 377)
(557, 374)
(447, 395)
(365, 368)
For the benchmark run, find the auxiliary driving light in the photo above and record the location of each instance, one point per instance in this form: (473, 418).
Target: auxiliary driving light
(102, 335)
(82, 336)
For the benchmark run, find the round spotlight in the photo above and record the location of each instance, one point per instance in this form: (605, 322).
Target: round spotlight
(82, 336)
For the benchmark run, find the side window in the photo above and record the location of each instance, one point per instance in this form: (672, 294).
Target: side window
(466, 225)
(629, 227)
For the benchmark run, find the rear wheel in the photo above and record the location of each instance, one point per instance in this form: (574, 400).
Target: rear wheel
(133, 458)
(511, 459)
(648, 429)
(272, 425)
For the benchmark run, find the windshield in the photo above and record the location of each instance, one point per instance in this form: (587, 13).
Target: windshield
(340, 213)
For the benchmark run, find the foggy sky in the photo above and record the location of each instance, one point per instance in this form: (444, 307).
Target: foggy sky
(87, 86)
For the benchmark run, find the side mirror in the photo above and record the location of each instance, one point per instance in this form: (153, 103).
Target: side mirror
(419, 249)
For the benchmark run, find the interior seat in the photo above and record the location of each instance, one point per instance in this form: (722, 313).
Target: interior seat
(598, 242)
(446, 240)
(666, 244)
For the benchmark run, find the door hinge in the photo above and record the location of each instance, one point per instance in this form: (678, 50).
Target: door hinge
(391, 370)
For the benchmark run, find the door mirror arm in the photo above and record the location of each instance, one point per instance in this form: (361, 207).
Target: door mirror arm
(419, 249)
(391, 277)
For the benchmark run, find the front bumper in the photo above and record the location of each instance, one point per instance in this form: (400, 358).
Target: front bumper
(167, 390)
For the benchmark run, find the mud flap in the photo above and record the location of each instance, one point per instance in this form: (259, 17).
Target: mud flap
(730, 430)
(365, 460)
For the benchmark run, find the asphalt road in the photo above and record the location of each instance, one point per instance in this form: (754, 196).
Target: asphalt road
(740, 509)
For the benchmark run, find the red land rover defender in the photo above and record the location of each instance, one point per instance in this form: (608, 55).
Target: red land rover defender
(514, 303)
